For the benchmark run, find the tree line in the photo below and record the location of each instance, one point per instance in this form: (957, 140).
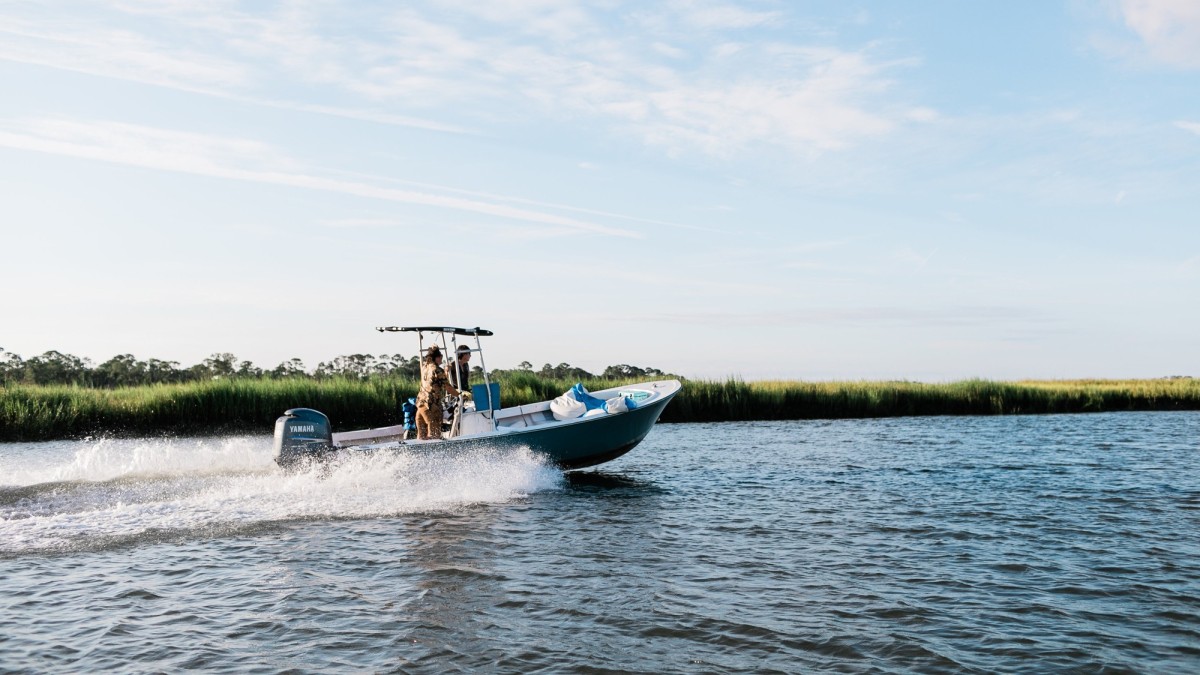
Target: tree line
(125, 370)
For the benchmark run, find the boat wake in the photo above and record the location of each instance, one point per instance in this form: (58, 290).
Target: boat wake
(84, 496)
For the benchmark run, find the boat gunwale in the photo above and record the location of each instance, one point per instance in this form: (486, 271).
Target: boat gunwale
(390, 435)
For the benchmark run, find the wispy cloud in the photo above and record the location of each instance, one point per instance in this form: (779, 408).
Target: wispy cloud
(816, 110)
(478, 231)
(1169, 29)
(910, 257)
(1193, 127)
(238, 159)
(533, 202)
(818, 246)
(353, 223)
(709, 15)
(680, 78)
(124, 54)
(365, 115)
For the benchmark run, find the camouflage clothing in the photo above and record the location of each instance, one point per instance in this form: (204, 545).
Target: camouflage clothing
(433, 383)
(429, 422)
(429, 401)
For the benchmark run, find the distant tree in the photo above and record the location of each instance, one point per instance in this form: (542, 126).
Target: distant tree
(54, 367)
(290, 368)
(564, 371)
(395, 365)
(126, 370)
(412, 368)
(623, 371)
(354, 366)
(12, 367)
(160, 372)
(120, 371)
(248, 369)
(221, 364)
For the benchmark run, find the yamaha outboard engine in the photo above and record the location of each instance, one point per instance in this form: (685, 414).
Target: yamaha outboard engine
(302, 434)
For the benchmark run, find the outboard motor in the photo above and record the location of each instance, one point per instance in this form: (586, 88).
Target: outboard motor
(302, 434)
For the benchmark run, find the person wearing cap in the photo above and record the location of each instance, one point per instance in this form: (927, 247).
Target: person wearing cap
(434, 387)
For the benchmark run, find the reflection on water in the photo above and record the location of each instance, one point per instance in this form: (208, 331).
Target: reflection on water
(591, 481)
(947, 544)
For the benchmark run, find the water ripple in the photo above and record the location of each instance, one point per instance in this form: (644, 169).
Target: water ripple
(976, 545)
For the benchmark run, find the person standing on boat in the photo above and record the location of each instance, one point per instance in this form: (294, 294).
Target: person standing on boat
(434, 387)
(460, 372)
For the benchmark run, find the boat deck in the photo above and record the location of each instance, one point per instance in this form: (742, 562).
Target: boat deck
(507, 420)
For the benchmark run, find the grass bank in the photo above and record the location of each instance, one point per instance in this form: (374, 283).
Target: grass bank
(30, 412)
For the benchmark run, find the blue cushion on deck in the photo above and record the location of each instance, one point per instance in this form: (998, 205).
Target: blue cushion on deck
(582, 395)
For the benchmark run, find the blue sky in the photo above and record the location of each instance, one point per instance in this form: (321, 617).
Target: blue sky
(816, 190)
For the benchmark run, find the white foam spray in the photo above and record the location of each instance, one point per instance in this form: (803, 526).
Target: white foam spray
(120, 490)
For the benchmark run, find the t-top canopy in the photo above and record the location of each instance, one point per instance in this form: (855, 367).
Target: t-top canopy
(435, 329)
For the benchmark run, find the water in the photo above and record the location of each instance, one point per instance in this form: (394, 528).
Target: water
(1020, 544)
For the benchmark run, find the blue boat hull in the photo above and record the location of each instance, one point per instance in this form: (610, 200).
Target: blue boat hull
(580, 443)
(303, 434)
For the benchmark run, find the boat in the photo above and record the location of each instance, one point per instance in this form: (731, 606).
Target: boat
(577, 430)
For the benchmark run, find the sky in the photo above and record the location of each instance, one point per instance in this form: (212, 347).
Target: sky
(764, 190)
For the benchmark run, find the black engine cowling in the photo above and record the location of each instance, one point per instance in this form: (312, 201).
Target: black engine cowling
(302, 434)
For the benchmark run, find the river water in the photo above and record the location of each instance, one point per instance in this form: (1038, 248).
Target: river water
(954, 544)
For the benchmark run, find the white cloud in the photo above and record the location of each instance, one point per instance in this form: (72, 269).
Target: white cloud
(923, 114)
(121, 54)
(668, 51)
(604, 63)
(813, 100)
(238, 159)
(724, 120)
(719, 15)
(366, 115)
(727, 49)
(910, 257)
(129, 56)
(552, 19)
(477, 231)
(535, 202)
(354, 223)
(1193, 127)
(1169, 29)
(142, 146)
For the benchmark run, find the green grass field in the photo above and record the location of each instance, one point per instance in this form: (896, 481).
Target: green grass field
(251, 405)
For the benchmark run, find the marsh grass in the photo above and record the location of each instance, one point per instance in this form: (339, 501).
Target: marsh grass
(736, 400)
(30, 412)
